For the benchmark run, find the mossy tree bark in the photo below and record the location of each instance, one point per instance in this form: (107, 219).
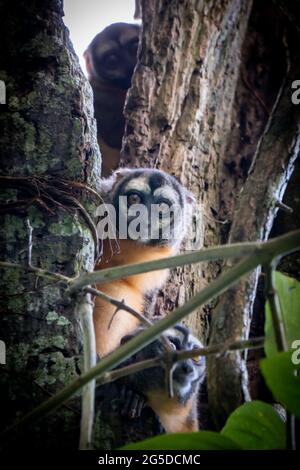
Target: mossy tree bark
(48, 138)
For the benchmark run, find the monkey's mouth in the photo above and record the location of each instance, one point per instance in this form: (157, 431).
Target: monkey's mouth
(183, 388)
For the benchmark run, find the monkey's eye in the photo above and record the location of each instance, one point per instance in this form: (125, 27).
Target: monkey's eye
(111, 61)
(133, 198)
(197, 359)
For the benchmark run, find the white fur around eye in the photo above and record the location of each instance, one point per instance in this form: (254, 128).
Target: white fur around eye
(168, 193)
(138, 184)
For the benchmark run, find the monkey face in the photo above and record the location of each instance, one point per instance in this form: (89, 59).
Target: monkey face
(151, 207)
(187, 374)
(112, 55)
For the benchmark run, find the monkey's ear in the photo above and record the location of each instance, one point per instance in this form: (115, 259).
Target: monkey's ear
(88, 62)
(107, 184)
(122, 172)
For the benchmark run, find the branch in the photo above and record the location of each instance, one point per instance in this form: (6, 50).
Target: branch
(235, 250)
(122, 306)
(275, 308)
(175, 356)
(269, 250)
(84, 311)
(29, 253)
(38, 271)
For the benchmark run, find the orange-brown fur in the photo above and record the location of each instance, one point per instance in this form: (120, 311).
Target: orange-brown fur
(174, 416)
(131, 290)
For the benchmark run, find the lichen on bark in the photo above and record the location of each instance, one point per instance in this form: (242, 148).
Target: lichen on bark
(47, 132)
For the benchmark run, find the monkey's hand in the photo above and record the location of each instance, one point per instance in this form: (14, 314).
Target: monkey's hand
(134, 402)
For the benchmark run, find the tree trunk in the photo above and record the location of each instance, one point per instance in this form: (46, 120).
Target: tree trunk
(179, 115)
(208, 77)
(48, 147)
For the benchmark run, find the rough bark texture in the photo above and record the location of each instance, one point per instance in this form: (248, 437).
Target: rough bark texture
(201, 119)
(256, 208)
(46, 131)
(253, 220)
(178, 115)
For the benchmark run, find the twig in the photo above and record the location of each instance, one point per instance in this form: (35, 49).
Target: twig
(122, 306)
(38, 271)
(175, 356)
(268, 250)
(113, 316)
(235, 250)
(280, 336)
(85, 312)
(275, 308)
(169, 369)
(282, 245)
(284, 207)
(29, 255)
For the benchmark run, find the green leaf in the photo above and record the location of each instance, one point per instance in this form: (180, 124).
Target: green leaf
(203, 440)
(289, 294)
(280, 372)
(255, 425)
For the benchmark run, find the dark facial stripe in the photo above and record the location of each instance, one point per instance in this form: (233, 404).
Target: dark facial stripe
(185, 333)
(156, 181)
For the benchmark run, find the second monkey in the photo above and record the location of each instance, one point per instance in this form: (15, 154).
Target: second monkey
(110, 61)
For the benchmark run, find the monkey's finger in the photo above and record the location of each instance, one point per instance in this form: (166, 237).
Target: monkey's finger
(134, 408)
(128, 397)
(140, 406)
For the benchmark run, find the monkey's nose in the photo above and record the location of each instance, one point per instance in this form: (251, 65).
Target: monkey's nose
(184, 368)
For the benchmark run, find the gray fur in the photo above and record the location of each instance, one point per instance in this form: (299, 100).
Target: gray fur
(188, 375)
(161, 187)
